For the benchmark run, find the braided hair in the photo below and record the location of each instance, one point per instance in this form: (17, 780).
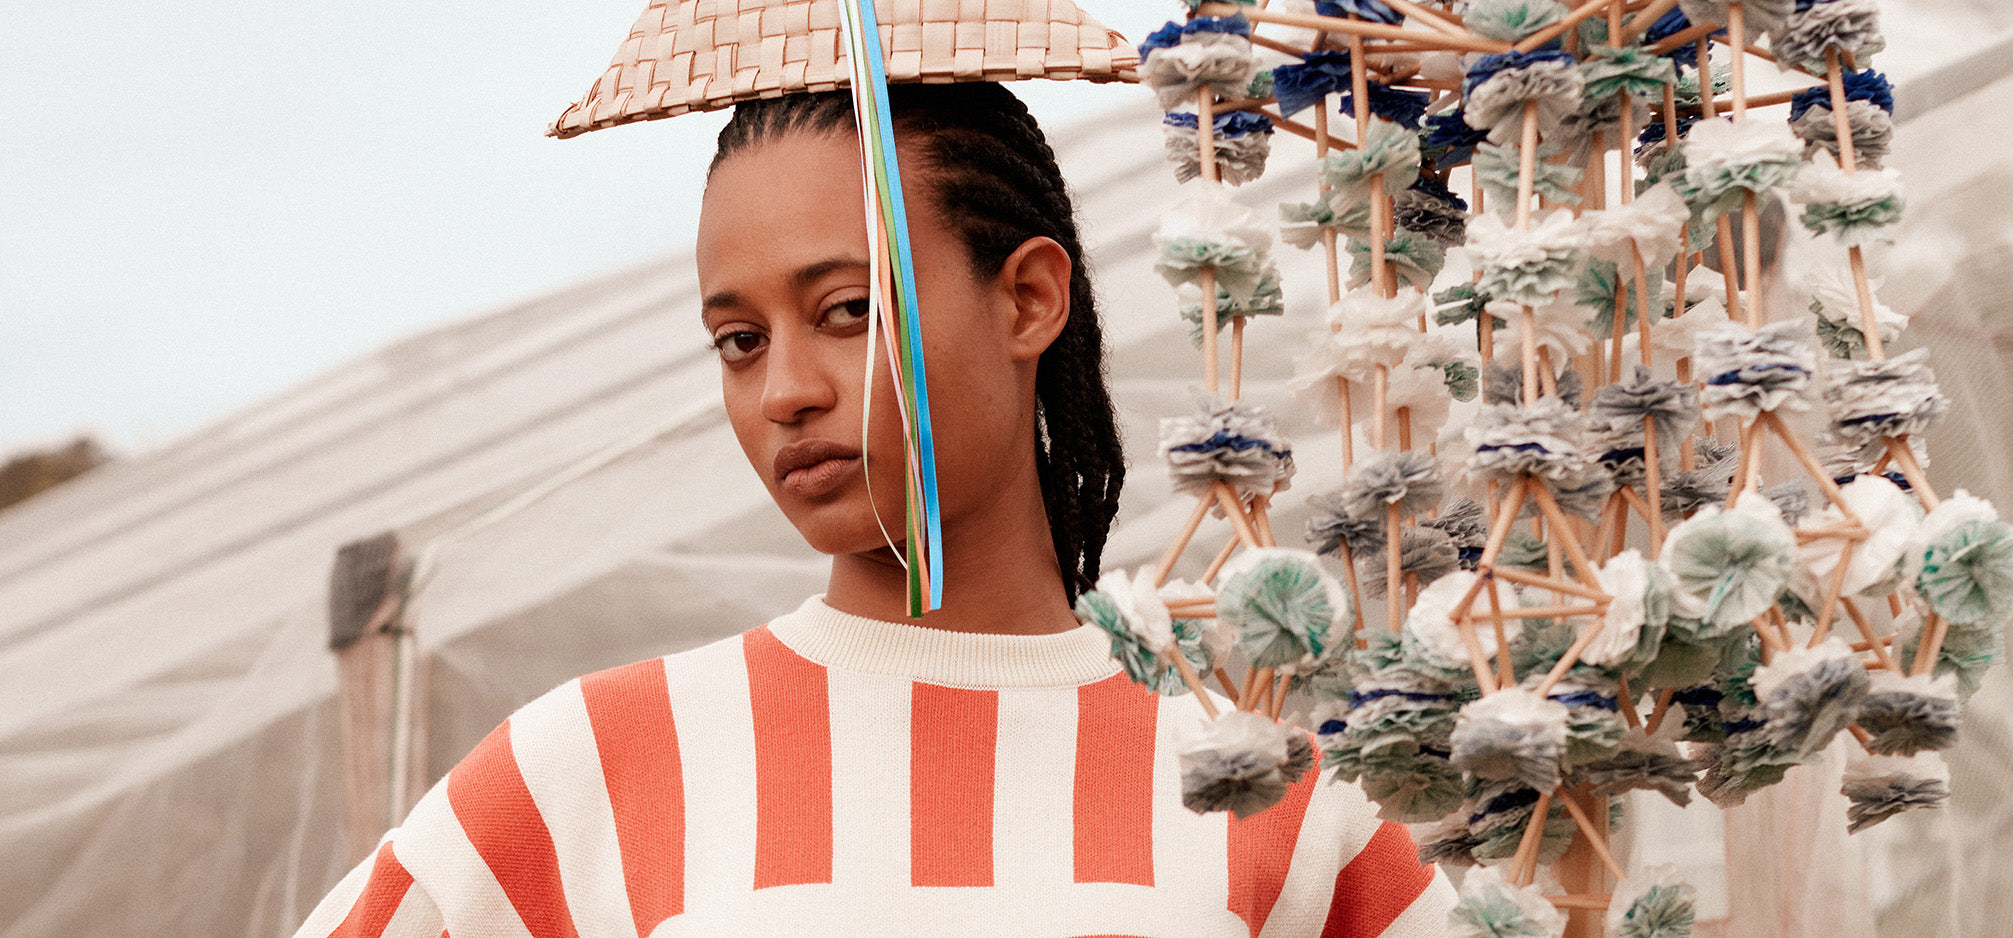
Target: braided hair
(994, 179)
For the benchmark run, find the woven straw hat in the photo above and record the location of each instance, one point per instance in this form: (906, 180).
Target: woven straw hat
(700, 55)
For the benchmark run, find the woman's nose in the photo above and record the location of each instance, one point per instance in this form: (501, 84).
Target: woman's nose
(797, 381)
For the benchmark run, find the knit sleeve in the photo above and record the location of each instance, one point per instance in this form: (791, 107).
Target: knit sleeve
(378, 899)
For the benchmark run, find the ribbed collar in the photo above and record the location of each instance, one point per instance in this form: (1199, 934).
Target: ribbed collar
(934, 656)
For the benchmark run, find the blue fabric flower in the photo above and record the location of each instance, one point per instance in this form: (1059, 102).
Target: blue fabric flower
(1654, 132)
(1668, 25)
(1487, 66)
(1227, 124)
(1403, 108)
(1372, 10)
(1437, 189)
(1171, 34)
(1862, 85)
(1449, 140)
(1298, 87)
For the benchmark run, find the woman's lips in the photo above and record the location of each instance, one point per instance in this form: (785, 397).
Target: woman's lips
(820, 478)
(814, 468)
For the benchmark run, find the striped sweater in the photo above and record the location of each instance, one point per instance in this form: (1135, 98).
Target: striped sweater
(834, 775)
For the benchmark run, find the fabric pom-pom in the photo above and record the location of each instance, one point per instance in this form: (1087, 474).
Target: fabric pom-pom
(1430, 625)
(1500, 812)
(1542, 440)
(1709, 484)
(1300, 86)
(1890, 518)
(1907, 715)
(1500, 168)
(1850, 26)
(1510, 20)
(1872, 131)
(1651, 225)
(1330, 528)
(1674, 405)
(1808, 695)
(1726, 159)
(1214, 55)
(1302, 223)
(1467, 528)
(1281, 605)
(1499, 85)
(1490, 907)
(1512, 735)
(1449, 140)
(1506, 383)
(1243, 142)
(1526, 267)
(1425, 553)
(1408, 478)
(1856, 208)
(1640, 599)
(1749, 372)
(1730, 565)
(1626, 70)
(1652, 903)
(1422, 212)
(1387, 150)
(1208, 230)
(1268, 300)
(1967, 562)
(1235, 443)
(1872, 400)
(1642, 763)
(1835, 301)
(1238, 765)
(1760, 16)
(1447, 842)
(1880, 787)
(1413, 259)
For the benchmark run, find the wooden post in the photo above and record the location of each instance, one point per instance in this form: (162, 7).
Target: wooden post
(378, 686)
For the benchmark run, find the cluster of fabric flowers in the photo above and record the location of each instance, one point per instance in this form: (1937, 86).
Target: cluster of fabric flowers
(1535, 671)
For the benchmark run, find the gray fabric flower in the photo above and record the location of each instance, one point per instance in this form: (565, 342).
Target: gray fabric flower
(1748, 372)
(1467, 528)
(1407, 477)
(1873, 400)
(1497, 104)
(1240, 158)
(1907, 715)
(1238, 766)
(1541, 440)
(1880, 788)
(1512, 735)
(1709, 484)
(1790, 498)
(1674, 405)
(1438, 220)
(1449, 843)
(1424, 552)
(1872, 132)
(1498, 814)
(1218, 61)
(1331, 527)
(1642, 763)
(1506, 384)
(1758, 16)
(1809, 695)
(1850, 26)
(1235, 443)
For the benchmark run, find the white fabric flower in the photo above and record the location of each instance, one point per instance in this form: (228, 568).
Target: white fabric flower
(1890, 517)
(1210, 230)
(1142, 609)
(1652, 224)
(1431, 623)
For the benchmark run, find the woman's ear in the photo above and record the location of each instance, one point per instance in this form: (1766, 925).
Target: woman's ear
(1037, 276)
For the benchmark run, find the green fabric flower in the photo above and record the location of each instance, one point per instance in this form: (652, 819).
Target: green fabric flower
(1281, 605)
(1967, 564)
(1630, 69)
(1729, 565)
(1499, 168)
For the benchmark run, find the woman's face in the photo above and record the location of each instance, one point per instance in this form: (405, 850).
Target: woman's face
(783, 275)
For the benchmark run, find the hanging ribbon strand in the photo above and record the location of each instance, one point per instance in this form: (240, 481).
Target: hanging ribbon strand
(893, 294)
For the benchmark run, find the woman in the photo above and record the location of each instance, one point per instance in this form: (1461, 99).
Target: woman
(985, 770)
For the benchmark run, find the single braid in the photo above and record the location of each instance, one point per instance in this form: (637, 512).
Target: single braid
(994, 180)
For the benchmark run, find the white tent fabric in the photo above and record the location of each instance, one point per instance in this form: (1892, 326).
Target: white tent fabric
(169, 762)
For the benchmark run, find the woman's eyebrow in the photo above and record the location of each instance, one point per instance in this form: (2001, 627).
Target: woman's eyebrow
(801, 278)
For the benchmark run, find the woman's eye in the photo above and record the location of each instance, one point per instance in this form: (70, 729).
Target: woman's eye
(735, 346)
(848, 313)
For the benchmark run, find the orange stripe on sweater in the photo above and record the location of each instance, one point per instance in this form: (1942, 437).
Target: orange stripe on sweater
(1261, 851)
(1114, 782)
(1377, 886)
(630, 710)
(492, 804)
(953, 736)
(793, 763)
(382, 893)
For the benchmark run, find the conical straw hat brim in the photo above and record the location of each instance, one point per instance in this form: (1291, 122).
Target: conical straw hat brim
(701, 55)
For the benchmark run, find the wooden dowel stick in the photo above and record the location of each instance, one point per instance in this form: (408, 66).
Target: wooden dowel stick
(1194, 683)
(1876, 643)
(1394, 598)
(1642, 21)
(1167, 560)
(1563, 536)
(1663, 706)
(1911, 470)
(1595, 838)
(1360, 28)
(1831, 595)
(1235, 510)
(1568, 587)
(1559, 28)
(1506, 674)
(1523, 865)
(1222, 557)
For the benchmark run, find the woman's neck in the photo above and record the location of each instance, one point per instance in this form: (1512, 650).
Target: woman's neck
(1000, 575)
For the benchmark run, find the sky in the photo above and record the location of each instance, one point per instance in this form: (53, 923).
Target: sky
(202, 204)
